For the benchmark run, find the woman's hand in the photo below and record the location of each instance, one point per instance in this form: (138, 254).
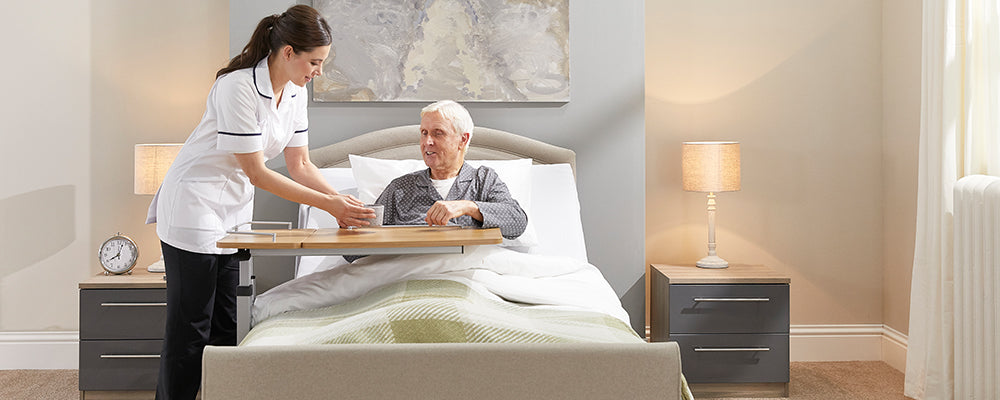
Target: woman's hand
(348, 210)
(443, 211)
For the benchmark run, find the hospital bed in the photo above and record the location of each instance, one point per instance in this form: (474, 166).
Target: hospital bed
(632, 370)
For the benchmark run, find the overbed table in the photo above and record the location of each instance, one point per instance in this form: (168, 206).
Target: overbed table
(357, 241)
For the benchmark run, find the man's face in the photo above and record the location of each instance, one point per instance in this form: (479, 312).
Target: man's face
(441, 146)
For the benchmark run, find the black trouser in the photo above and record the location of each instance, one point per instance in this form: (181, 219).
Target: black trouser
(201, 309)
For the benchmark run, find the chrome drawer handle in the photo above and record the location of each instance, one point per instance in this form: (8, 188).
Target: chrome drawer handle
(133, 304)
(129, 356)
(730, 349)
(731, 299)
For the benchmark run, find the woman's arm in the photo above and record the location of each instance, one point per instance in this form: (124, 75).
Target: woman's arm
(303, 171)
(347, 210)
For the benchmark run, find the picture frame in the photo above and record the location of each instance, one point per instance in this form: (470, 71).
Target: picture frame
(420, 51)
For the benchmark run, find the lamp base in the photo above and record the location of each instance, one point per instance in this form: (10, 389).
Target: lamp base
(156, 266)
(713, 261)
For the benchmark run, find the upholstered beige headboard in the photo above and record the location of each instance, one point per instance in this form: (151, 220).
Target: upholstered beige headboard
(403, 142)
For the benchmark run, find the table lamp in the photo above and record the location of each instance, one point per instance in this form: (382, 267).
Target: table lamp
(711, 167)
(151, 164)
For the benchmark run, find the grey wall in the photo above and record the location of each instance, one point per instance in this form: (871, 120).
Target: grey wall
(603, 123)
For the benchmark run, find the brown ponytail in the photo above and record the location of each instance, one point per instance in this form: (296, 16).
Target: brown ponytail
(300, 26)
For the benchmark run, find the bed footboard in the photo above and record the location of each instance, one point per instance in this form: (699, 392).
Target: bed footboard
(444, 371)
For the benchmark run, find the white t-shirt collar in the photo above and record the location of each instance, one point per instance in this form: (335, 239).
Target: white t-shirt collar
(443, 186)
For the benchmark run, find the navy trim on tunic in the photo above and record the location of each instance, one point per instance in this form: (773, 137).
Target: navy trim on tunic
(239, 134)
(255, 83)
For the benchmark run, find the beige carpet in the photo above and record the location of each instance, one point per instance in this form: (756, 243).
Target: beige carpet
(854, 380)
(47, 384)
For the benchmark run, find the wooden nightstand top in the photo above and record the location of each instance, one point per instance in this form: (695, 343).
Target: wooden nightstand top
(139, 279)
(736, 273)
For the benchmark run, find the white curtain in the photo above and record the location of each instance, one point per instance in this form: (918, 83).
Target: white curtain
(959, 135)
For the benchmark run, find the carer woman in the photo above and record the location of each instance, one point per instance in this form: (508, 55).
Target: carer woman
(255, 110)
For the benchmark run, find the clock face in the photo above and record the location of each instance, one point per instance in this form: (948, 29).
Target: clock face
(118, 254)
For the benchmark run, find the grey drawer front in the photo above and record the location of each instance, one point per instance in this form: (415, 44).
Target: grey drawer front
(122, 313)
(722, 358)
(728, 309)
(125, 365)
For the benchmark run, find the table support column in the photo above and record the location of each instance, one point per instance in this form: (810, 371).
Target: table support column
(245, 294)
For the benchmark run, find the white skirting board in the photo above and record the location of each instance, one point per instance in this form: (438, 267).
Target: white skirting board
(868, 342)
(863, 342)
(40, 350)
(894, 349)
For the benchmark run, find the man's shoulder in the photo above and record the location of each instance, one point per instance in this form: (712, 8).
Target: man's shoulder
(487, 175)
(409, 178)
(481, 171)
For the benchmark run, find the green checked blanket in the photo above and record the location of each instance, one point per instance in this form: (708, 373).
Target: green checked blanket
(436, 311)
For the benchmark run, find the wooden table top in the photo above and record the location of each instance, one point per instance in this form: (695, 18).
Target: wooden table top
(138, 279)
(284, 239)
(364, 238)
(736, 273)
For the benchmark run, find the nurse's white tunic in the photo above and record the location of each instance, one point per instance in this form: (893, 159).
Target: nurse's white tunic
(205, 192)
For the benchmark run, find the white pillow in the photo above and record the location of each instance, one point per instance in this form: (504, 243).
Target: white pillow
(373, 175)
(555, 207)
(342, 180)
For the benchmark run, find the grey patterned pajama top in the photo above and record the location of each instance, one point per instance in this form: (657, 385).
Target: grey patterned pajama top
(407, 199)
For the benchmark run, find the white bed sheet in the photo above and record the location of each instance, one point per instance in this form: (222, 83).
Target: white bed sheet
(498, 272)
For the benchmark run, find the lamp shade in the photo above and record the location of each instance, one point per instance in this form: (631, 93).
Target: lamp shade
(151, 164)
(710, 166)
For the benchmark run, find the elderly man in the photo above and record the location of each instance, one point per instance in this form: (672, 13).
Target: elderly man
(450, 189)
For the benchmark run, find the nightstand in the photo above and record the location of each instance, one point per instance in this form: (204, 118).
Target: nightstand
(731, 325)
(122, 318)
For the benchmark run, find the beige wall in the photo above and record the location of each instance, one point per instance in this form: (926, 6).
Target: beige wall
(154, 63)
(45, 196)
(799, 84)
(88, 81)
(901, 21)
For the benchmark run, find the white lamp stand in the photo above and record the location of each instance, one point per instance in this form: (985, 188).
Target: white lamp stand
(712, 260)
(157, 266)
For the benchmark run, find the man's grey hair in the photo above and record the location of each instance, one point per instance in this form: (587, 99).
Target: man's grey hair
(460, 119)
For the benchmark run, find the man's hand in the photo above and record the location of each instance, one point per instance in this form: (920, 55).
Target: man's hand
(443, 211)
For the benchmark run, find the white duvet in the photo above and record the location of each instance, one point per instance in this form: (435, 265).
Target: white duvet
(548, 281)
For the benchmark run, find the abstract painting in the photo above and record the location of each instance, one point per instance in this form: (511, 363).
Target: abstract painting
(428, 50)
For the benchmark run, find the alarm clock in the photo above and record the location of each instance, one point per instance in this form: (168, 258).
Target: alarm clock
(118, 255)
